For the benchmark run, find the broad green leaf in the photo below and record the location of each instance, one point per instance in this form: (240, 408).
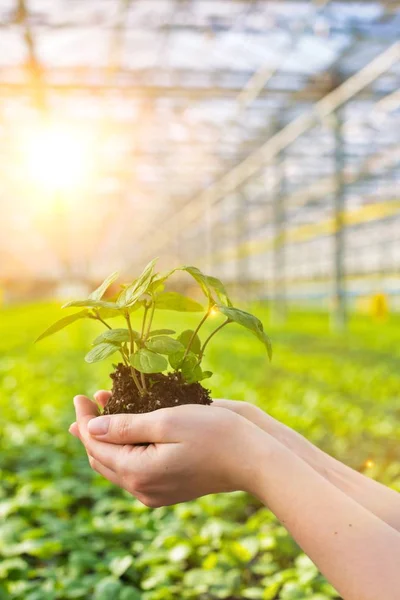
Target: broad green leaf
(175, 360)
(185, 338)
(146, 361)
(161, 332)
(250, 322)
(100, 291)
(175, 301)
(190, 373)
(115, 336)
(92, 304)
(61, 323)
(210, 285)
(100, 352)
(132, 293)
(164, 345)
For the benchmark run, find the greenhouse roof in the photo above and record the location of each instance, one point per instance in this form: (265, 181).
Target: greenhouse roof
(170, 96)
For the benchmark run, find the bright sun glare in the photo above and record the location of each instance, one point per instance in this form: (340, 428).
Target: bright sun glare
(58, 158)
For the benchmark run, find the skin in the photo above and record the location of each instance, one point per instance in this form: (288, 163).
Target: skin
(346, 523)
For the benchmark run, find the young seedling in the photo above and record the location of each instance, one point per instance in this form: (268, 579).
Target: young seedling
(158, 368)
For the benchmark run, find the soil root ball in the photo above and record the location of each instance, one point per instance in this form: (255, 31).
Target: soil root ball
(163, 391)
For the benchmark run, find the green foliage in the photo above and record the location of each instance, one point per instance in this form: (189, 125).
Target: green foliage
(100, 352)
(249, 322)
(62, 323)
(190, 337)
(164, 345)
(175, 301)
(101, 290)
(144, 351)
(146, 361)
(116, 336)
(66, 533)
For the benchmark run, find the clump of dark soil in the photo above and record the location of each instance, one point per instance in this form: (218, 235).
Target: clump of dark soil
(163, 391)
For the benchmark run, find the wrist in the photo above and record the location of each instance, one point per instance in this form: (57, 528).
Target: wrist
(257, 452)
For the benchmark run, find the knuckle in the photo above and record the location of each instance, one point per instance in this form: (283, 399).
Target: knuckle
(122, 427)
(164, 424)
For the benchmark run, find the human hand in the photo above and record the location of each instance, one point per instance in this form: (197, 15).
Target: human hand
(193, 451)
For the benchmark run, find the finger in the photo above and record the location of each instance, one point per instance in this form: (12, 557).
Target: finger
(107, 454)
(84, 407)
(104, 471)
(230, 404)
(159, 426)
(74, 430)
(102, 397)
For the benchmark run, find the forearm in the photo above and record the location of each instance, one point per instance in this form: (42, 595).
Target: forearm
(378, 499)
(357, 552)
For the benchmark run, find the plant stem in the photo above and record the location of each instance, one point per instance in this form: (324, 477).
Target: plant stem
(132, 349)
(132, 339)
(195, 332)
(124, 358)
(209, 338)
(153, 308)
(102, 321)
(146, 309)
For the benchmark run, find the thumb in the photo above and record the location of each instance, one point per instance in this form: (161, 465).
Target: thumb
(153, 427)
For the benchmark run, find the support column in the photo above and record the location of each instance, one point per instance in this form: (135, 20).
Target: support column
(242, 260)
(339, 312)
(279, 303)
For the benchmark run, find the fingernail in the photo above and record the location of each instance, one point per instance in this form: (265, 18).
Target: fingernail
(99, 425)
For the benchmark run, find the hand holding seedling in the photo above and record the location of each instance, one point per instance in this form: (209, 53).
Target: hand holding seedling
(347, 524)
(192, 450)
(140, 381)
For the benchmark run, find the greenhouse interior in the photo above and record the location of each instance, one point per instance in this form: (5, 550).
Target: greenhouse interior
(256, 143)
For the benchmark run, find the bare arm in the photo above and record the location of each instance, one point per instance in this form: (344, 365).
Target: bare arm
(194, 450)
(375, 497)
(356, 551)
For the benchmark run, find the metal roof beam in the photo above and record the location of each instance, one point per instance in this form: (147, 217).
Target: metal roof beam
(253, 163)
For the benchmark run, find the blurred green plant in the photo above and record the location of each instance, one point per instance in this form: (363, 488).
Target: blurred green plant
(144, 351)
(65, 533)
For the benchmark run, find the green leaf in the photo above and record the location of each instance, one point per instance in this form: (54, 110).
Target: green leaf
(175, 360)
(185, 338)
(210, 285)
(146, 361)
(111, 313)
(132, 293)
(100, 352)
(62, 323)
(159, 279)
(175, 301)
(91, 304)
(250, 322)
(161, 332)
(192, 374)
(164, 345)
(206, 375)
(115, 336)
(100, 291)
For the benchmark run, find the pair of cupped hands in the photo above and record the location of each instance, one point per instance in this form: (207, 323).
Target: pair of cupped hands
(176, 454)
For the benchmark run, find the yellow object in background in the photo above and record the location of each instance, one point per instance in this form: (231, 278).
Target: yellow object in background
(379, 306)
